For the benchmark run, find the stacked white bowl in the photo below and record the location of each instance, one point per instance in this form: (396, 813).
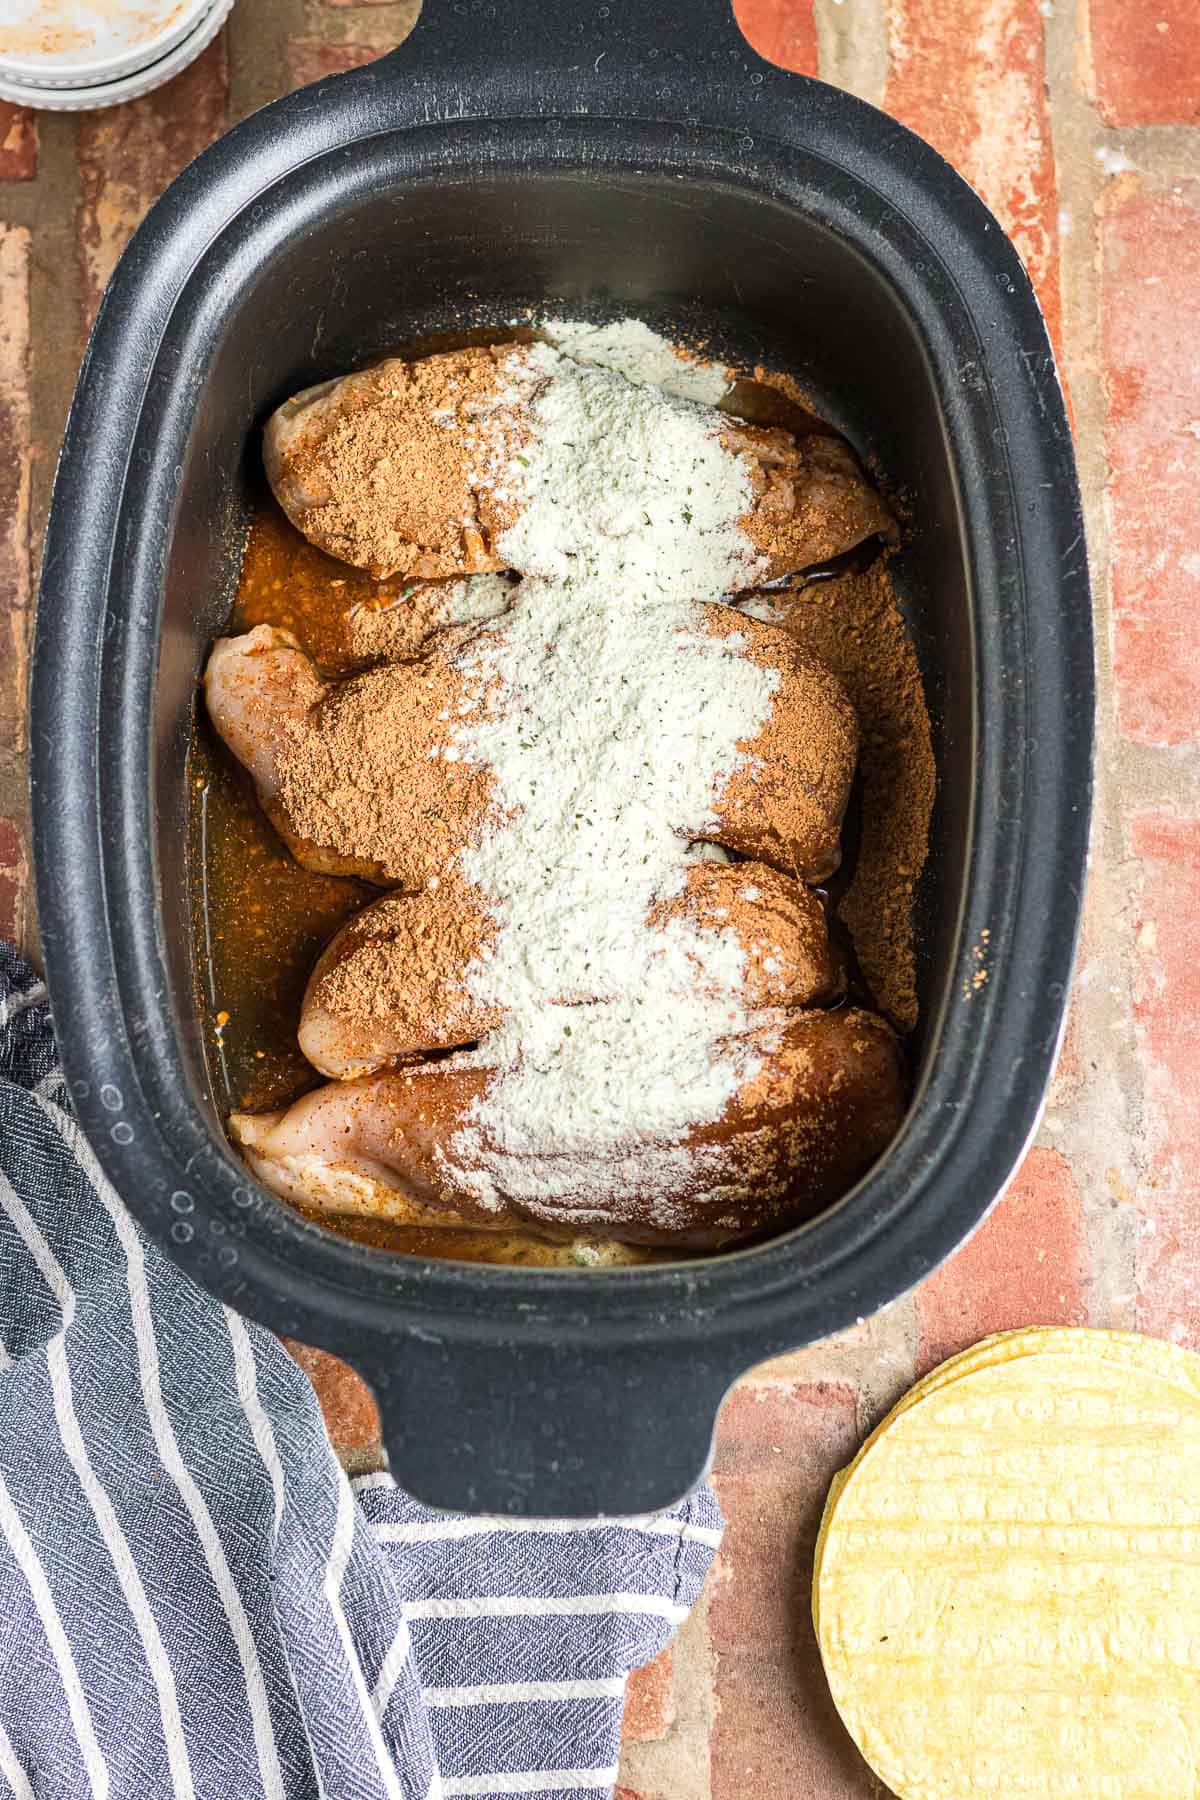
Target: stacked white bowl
(73, 55)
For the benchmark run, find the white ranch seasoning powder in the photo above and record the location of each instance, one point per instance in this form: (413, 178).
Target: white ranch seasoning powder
(612, 724)
(630, 348)
(475, 598)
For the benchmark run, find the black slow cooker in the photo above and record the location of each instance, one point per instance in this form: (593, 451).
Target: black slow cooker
(594, 160)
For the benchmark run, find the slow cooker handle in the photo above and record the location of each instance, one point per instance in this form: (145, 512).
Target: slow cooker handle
(599, 43)
(535, 1428)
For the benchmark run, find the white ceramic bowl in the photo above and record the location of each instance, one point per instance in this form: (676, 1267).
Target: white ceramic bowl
(75, 55)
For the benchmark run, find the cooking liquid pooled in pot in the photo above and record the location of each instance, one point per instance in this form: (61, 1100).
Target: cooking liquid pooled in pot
(261, 920)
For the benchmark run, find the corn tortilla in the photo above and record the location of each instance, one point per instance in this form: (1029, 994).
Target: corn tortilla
(1007, 1581)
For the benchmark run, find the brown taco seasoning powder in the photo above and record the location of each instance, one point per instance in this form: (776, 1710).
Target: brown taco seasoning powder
(853, 625)
(384, 470)
(396, 972)
(371, 775)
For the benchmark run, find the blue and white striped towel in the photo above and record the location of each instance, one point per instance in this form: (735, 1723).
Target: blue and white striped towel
(194, 1600)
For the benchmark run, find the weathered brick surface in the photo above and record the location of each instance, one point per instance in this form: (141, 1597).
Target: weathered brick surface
(128, 154)
(784, 31)
(351, 1415)
(1144, 61)
(776, 1734)
(970, 76)
(650, 1700)
(18, 143)
(1026, 1265)
(15, 454)
(14, 875)
(1150, 247)
(1167, 1018)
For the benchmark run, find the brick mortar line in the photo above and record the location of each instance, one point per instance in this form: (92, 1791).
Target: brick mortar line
(56, 302)
(20, 202)
(1170, 150)
(876, 1359)
(1099, 1123)
(678, 1764)
(852, 46)
(256, 44)
(382, 27)
(1159, 774)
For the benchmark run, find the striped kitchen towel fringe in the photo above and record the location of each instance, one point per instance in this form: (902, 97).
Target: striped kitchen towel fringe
(196, 1602)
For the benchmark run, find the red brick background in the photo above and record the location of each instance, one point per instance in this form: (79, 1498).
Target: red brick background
(1077, 120)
